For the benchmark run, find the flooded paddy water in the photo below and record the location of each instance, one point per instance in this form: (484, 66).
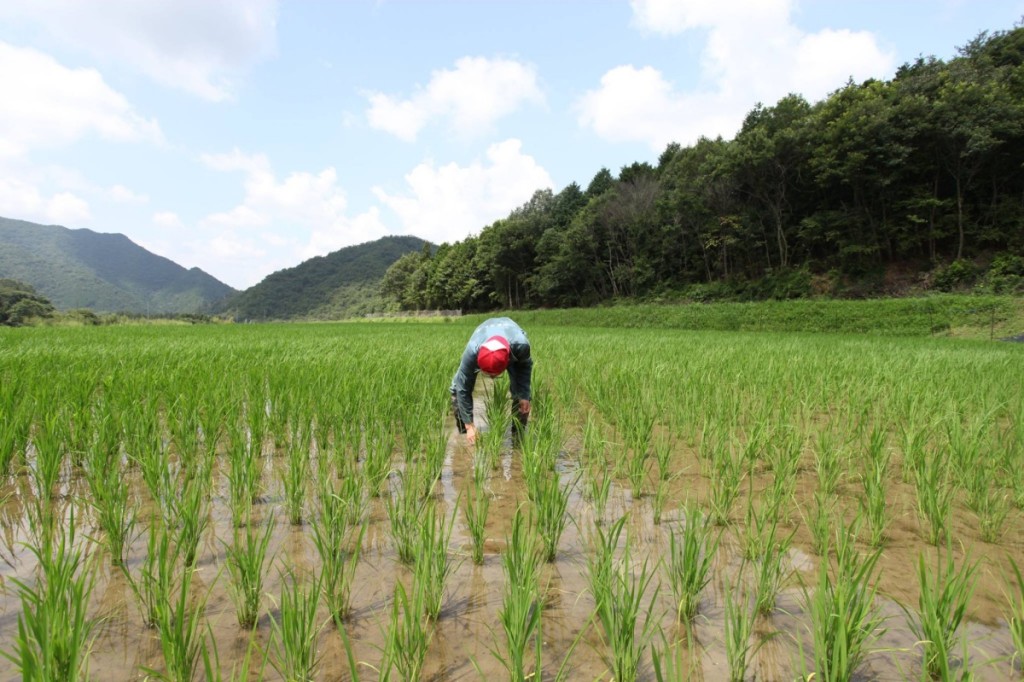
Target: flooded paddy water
(467, 640)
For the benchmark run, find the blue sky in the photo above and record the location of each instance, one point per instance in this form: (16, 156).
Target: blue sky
(245, 136)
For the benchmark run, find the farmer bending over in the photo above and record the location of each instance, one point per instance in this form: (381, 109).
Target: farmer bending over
(496, 345)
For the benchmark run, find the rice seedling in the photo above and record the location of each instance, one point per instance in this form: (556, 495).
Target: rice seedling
(942, 604)
(771, 571)
(246, 558)
(739, 627)
(244, 473)
(934, 496)
(598, 487)
(875, 479)
(550, 509)
(339, 545)
(296, 474)
(116, 514)
(380, 445)
(658, 501)
(48, 443)
(593, 443)
(619, 605)
(294, 651)
(478, 503)
(691, 555)
(819, 521)
(828, 459)
(727, 474)
(404, 510)
(784, 461)
(183, 637)
(54, 629)
(987, 498)
(845, 621)
(433, 564)
(241, 671)
(663, 456)
(407, 638)
(154, 585)
(668, 661)
(520, 613)
(190, 516)
(1015, 612)
(15, 425)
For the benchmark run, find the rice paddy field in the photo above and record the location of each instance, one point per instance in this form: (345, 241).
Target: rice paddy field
(291, 502)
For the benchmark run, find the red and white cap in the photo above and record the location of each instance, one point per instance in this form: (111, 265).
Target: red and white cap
(493, 355)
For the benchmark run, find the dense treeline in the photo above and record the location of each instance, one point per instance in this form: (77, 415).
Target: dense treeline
(920, 174)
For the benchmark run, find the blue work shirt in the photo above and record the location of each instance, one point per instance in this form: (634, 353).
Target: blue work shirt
(520, 364)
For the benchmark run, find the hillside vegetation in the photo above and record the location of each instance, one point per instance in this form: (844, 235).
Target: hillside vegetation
(102, 272)
(345, 283)
(883, 188)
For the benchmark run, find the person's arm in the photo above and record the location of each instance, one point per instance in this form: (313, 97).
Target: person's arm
(520, 372)
(465, 380)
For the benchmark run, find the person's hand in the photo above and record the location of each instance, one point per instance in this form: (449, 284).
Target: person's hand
(524, 408)
(471, 434)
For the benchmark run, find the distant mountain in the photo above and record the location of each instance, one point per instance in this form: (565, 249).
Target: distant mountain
(344, 283)
(102, 272)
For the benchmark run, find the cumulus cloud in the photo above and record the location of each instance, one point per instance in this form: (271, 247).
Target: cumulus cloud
(26, 201)
(197, 46)
(122, 195)
(472, 96)
(49, 105)
(753, 53)
(167, 220)
(279, 223)
(448, 203)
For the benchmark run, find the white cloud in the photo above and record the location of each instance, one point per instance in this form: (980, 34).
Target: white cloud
(48, 105)
(167, 220)
(753, 53)
(279, 223)
(197, 46)
(448, 203)
(473, 95)
(122, 195)
(26, 201)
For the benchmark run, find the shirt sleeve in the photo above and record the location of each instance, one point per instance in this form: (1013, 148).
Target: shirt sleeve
(520, 372)
(462, 385)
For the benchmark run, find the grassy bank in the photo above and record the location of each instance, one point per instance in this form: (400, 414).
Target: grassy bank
(974, 317)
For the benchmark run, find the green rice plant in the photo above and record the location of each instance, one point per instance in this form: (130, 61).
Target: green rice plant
(520, 613)
(819, 521)
(244, 473)
(116, 513)
(380, 445)
(433, 564)
(875, 479)
(987, 498)
(241, 671)
(658, 501)
(54, 629)
(48, 445)
(771, 571)
(1015, 612)
(669, 664)
(407, 638)
(404, 511)
(626, 634)
(598, 488)
(934, 496)
(739, 627)
(942, 604)
(913, 440)
(246, 559)
(296, 474)
(845, 621)
(691, 555)
(727, 474)
(593, 443)
(190, 516)
(295, 631)
(550, 509)
(339, 545)
(761, 520)
(154, 586)
(663, 456)
(478, 503)
(183, 637)
(15, 426)
(784, 459)
(828, 460)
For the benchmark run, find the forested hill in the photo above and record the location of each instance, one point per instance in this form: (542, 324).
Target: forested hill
(102, 272)
(911, 183)
(344, 283)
